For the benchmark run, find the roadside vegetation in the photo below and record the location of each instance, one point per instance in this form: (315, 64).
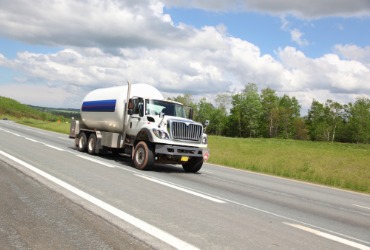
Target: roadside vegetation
(342, 165)
(264, 114)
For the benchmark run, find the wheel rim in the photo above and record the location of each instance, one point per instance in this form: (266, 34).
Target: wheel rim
(140, 156)
(91, 145)
(81, 142)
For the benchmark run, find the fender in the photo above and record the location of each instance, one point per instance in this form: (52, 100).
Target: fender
(144, 135)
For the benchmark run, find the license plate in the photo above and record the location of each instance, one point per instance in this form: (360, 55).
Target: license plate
(184, 158)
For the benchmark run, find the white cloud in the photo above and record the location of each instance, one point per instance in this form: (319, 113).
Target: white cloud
(297, 37)
(328, 72)
(353, 52)
(94, 23)
(201, 72)
(302, 8)
(39, 95)
(115, 41)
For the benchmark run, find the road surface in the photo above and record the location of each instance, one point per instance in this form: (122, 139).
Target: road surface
(218, 208)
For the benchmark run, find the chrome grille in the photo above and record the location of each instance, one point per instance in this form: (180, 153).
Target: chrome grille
(186, 131)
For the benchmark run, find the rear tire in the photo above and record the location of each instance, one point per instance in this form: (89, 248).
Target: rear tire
(193, 165)
(143, 156)
(91, 145)
(82, 142)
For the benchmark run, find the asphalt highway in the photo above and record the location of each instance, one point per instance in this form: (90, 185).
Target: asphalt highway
(218, 208)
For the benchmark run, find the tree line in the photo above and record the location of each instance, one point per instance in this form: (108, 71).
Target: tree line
(250, 114)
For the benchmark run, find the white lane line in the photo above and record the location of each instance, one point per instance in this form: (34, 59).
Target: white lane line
(329, 236)
(53, 147)
(167, 184)
(30, 139)
(33, 140)
(361, 206)
(288, 218)
(10, 132)
(96, 161)
(152, 230)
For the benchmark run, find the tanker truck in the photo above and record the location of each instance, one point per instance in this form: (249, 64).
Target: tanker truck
(136, 120)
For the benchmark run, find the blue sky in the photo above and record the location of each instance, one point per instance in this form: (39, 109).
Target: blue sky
(308, 49)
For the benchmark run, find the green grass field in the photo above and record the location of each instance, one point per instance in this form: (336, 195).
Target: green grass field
(334, 164)
(58, 126)
(339, 165)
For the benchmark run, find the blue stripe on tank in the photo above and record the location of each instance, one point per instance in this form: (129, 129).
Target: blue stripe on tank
(99, 106)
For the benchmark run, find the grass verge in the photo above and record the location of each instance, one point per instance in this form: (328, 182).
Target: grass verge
(339, 165)
(58, 126)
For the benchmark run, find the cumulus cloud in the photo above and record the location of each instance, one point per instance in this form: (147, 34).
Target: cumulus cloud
(302, 8)
(200, 72)
(101, 23)
(107, 42)
(297, 37)
(353, 52)
(30, 94)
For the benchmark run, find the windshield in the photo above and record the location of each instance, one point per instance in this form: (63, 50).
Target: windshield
(155, 107)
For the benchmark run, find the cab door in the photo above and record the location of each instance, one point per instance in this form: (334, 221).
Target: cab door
(136, 119)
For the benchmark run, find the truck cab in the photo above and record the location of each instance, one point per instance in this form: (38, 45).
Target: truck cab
(169, 135)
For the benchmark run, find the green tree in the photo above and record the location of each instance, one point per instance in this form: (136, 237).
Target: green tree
(235, 125)
(334, 116)
(270, 115)
(252, 107)
(223, 102)
(205, 111)
(317, 122)
(301, 132)
(289, 111)
(359, 120)
(246, 112)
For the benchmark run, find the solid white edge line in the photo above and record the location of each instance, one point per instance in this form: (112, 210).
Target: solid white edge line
(152, 230)
(360, 206)
(180, 188)
(329, 236)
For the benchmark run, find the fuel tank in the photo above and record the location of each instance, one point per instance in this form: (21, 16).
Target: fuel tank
(102, 109)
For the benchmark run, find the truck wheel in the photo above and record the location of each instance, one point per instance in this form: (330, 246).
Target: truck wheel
(82, 142)
(91, 144)
(193, 165)
(143, 156)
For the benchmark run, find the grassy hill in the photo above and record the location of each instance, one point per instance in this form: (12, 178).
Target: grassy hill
(14, 109)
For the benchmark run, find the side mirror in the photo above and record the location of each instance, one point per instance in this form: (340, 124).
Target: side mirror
(206, 123)
(130, 107)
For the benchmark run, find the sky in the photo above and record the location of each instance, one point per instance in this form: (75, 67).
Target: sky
(53, 52)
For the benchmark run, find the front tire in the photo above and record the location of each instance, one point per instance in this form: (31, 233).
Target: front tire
(193, 165)
(82, 142)
(91, 145)
(143, 156)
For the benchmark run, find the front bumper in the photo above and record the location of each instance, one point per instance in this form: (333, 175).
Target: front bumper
(174, 150)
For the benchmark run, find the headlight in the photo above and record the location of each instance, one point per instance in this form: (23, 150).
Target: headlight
(161, 134)
(205, 139)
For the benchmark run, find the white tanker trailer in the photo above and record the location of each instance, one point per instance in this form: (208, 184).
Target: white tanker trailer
(136, 119)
